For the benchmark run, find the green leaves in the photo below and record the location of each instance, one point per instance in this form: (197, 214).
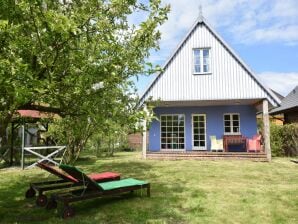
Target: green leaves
(53, 52)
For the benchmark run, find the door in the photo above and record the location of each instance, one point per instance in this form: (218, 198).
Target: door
(199, 132)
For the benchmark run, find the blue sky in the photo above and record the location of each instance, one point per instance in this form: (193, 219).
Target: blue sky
(264, 33)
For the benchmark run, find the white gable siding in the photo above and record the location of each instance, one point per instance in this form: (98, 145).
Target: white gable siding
(228, 78)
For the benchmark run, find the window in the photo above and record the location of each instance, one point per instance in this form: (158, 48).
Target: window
(172, 131)
(232, 123)
(201, 60)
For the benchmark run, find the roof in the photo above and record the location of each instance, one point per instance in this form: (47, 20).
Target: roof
(288, 103)
(34, 114)
(259, 91)
(277, 94)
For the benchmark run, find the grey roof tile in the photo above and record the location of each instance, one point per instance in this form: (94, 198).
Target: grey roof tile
(290, 101)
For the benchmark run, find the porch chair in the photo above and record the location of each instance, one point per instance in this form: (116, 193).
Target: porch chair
(92, 190)
(65, 181)
(254, 144)
(216, 144)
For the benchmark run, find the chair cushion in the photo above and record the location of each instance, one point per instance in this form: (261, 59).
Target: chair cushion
(129, 182)
(104, 176)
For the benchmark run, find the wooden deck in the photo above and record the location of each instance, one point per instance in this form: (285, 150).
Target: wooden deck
(170, 155)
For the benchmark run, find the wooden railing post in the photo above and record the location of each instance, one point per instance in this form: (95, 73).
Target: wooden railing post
(144, 144)
(266, 129)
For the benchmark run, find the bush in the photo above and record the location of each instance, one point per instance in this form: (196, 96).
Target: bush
(276, 140)
(284, 140)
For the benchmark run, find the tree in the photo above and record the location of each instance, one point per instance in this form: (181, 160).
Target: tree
(74, 57)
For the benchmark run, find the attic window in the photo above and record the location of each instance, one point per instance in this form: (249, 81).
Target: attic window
(201, 59)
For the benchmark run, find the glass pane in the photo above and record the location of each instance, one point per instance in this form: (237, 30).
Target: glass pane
(196, 131)
(196, 137)
(163, 140)
(163, 146)
(201, 125)
(236, 123)
(196, 143)
(163, 129)
(206, 68)
(202, 144)
(196, 52)
(181, 129)
(227, 117)
(181, 135)
(235, 117)
(206, 53)
(181, 146)
(181, 117)
(169, 118)
(227, 129)
(197, 68)
(181, 123)
(227, 123)
(163, 135)
(195, 118)
(235, 129)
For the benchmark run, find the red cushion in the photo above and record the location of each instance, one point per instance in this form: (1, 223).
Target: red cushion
(104, 176)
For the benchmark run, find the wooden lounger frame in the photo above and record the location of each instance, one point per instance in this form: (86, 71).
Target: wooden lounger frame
(91, 190)
(85, 194)
(64, 183)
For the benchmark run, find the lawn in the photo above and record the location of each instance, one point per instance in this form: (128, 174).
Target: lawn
(181, 192)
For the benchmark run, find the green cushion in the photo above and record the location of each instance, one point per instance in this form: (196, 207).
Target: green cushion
(111, 185)
(69, 167)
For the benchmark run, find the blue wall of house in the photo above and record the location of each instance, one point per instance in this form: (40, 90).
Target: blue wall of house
(214, 124)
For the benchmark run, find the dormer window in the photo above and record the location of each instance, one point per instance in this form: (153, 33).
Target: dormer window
(201, 60)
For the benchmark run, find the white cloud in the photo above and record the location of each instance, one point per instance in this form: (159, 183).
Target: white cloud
(282, 83)
(249, 21)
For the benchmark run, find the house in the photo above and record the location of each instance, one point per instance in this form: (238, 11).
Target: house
(277, 119)
(204, 90)
(288, 107)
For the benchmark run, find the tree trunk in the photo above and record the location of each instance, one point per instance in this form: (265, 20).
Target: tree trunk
(4, 122)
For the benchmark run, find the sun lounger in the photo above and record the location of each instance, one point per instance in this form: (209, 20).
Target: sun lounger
(64, 182)
(93, 189)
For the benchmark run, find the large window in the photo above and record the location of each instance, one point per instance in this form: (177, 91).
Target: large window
(172, 131)
(201, 60)
(232, 123)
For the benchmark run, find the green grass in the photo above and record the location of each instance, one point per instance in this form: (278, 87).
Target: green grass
(181, 192)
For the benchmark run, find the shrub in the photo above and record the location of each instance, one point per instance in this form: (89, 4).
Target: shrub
(284, 140)
(276, 140)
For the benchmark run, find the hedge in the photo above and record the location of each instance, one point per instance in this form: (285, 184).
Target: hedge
(284, 140)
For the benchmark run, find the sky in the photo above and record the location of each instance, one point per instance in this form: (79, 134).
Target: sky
(264, 33)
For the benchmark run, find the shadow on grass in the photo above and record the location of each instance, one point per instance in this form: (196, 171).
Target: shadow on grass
(128, 208)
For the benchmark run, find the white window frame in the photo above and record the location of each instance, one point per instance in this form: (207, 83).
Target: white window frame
(201, 60)
(231, 124)
(184, 128)
(192, 133)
